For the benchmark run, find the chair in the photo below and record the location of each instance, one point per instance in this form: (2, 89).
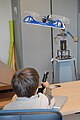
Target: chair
(30, 114)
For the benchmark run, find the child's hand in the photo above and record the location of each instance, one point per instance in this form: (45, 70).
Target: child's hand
(45, 84)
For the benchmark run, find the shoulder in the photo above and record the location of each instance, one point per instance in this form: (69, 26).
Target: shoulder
(43, 101)
(8, 106)
(42, 96)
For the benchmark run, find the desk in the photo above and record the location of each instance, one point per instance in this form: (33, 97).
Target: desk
(72, 90)
(6, 92)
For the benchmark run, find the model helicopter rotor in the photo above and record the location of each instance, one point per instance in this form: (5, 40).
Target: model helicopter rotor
(34, 14)
(54, 21)
(38, 16)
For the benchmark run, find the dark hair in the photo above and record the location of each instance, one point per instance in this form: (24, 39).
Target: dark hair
(25, 82)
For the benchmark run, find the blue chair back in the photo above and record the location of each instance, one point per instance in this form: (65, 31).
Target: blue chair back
(30, 114)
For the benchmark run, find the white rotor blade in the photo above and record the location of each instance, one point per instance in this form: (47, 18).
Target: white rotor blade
(62, 18)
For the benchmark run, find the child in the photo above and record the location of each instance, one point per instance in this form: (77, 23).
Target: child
(25, 85)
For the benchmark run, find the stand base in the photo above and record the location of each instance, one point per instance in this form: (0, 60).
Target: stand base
(63, 57)
(63, 54)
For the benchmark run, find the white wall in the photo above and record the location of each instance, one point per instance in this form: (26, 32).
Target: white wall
(36, 39)
(5, 16)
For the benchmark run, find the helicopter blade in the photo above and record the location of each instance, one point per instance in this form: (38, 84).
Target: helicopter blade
(65, 20)
(39, 16)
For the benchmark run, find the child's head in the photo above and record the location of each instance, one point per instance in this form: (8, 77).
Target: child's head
(25, 82)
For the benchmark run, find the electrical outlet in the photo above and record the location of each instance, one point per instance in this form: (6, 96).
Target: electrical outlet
(15, 10)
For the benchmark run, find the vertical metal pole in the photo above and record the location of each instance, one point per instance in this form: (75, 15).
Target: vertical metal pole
(75, 69)
(52, 43)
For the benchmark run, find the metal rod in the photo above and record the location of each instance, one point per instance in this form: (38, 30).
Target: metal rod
(75, 69)
(52, 43)
(51, 7)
